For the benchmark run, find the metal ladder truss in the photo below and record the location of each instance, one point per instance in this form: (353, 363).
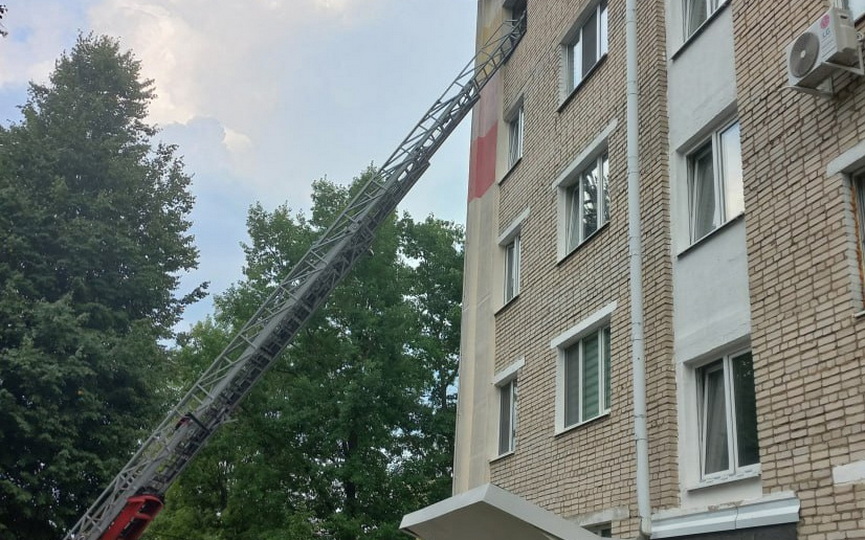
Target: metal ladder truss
(218, 392)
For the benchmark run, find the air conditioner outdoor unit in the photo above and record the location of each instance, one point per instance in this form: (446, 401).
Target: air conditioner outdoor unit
(826, 46)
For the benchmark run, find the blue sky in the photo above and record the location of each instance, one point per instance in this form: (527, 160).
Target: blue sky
(265, 96)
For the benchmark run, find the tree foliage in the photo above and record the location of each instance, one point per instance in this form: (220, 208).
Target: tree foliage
(353, 427)
(93, 234)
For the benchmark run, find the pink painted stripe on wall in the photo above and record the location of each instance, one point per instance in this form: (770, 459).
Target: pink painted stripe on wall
(482, 159)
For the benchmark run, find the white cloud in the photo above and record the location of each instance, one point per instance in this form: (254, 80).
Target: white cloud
(36, 38)
(236, 142)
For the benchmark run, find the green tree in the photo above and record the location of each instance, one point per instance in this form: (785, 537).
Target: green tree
(353, 427)
(93, 234)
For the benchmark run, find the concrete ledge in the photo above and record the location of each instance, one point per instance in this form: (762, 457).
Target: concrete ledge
(775, 509)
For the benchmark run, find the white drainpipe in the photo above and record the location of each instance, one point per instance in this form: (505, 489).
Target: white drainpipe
(635, 250)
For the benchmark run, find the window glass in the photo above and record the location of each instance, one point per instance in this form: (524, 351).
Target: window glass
(731, 171)
(573, 215)
(729, 439)
(747, 447)
(607, 367)
(586, 203)
(591, 184)
(587, 378)
(507, 416)
(588, 45)
(572, 385)
(696, 12)
(605, 173)
(515, 137)
(715, 457)
(589, 41)
(591, 377)
(512, 269)
(715, 187)
(859, 194)
(702, 188)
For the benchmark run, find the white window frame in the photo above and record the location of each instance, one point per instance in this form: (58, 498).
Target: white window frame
(572, 176)
(506, 422)
(575, 202)
(857, 185)
(689, 28)
(516, 134)
(510, 242)
(575, 41)
(734, 469)
(593, 326)
(726, 182)
(512, 269)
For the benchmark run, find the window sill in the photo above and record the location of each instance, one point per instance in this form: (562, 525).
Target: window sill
(693, 37)
(577, 248)
(706, 237)
(567, 429)
(747, 473)
(501, 457)
(506, 305)
(570, 96)
(510, 171)
(859, 315)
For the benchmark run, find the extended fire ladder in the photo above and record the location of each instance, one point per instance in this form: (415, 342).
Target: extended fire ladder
(134, 497)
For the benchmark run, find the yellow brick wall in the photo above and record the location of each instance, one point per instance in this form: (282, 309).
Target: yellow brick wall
(589, 468)
(807, 343)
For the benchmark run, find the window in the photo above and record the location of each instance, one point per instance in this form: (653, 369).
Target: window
(586, 378)
(586, 203)
(512, 269)
(728, 415)
(507, 416)
(515, 136)
(604, 531)
(510, 241)
(715, 193)
(517, 8)
(586, 45)
(859, 203)
(697, 12)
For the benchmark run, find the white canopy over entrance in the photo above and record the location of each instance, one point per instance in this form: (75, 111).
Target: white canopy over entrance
(490, 513)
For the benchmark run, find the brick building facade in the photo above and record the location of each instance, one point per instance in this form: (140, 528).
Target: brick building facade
(752, 211)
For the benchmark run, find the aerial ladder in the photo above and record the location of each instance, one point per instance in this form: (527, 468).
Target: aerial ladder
(135, 496)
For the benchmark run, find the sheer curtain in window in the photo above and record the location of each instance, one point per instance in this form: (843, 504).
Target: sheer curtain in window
(715, 451)
(703, 206)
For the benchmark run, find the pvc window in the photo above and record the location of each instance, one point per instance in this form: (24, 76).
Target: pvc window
(516, 8)
(583, 370)
(516, 128)
(587, 202)
(604, 531)
(715, 192)
(858, 181)
(697, 12)
(512, 269)
(510, 242)
(728, 416)
(507, 416)
(587, 378)
(586, 45)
